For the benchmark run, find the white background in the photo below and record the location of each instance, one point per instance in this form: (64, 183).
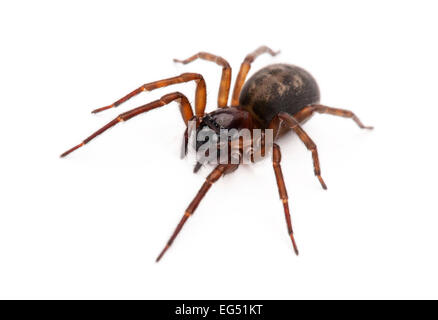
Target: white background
(91, 225)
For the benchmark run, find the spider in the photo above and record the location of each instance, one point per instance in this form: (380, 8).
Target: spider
(279, 97)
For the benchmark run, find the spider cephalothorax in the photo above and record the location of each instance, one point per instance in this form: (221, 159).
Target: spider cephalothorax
(220, 127)
(279, 97)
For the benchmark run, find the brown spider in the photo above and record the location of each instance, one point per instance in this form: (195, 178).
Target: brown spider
(278, 97)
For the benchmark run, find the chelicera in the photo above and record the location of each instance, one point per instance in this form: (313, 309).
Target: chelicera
(280, 97)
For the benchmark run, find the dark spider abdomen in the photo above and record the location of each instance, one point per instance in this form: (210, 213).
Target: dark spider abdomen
(278, 88)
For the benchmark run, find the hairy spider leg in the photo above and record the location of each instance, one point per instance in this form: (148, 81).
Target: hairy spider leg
(308, 142)
(276, 159)
(338, 112)
(200, 95)
(224, 88)
(185, 108)
(217, 172)
(187, 134)
(244, 69)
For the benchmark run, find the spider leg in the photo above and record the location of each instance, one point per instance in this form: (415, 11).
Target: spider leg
(276, 159)
(339, 112)
(308, 142)
(244, 69)
(224, 88)
(217, 172)
(185, 108)
(184, 144)
(200, 96)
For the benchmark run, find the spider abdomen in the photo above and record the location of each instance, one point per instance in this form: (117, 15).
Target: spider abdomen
(278, 88)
